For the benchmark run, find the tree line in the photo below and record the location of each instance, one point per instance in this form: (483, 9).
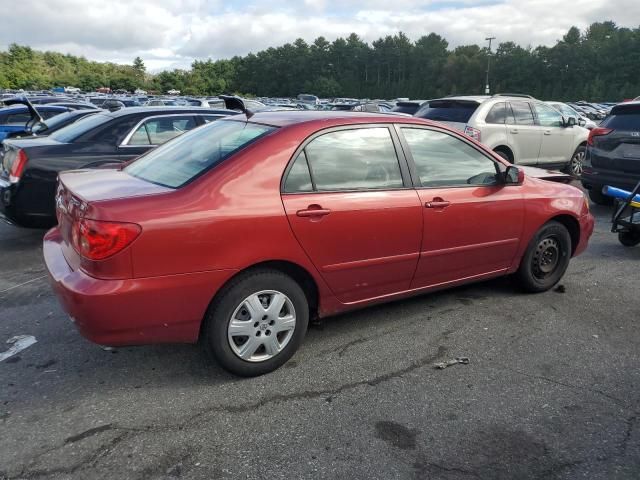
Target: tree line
(600, 63)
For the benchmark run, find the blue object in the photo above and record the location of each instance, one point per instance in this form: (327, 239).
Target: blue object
(619, 193)
(9, 125)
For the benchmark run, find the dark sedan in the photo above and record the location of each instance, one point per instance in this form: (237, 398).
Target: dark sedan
(29, 167)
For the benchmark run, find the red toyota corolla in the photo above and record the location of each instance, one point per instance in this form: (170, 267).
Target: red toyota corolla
(238, 232)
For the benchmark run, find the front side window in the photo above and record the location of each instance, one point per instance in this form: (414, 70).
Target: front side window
(522, 113)
(363, 158)
(548, 116)
(444, 160)
(157, 131)
(179, 161)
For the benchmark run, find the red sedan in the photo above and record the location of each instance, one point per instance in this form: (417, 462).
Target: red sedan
(238, 232)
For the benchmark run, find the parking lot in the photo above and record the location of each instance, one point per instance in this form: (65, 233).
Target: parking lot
(551, 390)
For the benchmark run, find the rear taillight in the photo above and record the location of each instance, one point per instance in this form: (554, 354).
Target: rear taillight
(97, 240)
(17, 167)
(597, 132)
(472, 132)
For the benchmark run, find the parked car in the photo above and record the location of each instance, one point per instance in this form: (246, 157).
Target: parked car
(75, 105)
(519, 128)
(30, 166)
(408, 106)
(568, 111)
(43, 100)
(58, 122)
(239, 232)
(613, 153)
(19, 119)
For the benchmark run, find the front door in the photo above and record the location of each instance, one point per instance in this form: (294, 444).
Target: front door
(472, 222)
(557, 140)
(352, 209)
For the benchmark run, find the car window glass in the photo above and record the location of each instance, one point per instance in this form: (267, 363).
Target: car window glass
(548, 116)
(625, 121)
(211, 118)
(179, 161)
(18, 118)
(522, 113)
(363, 158)
(497, 114)
(49, 113)
(157, 131)
(298, 178)
(444, 160)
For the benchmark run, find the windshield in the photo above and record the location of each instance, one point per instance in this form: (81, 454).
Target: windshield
(187, 156)
(458, 111)
(55, 122)
(73, 131)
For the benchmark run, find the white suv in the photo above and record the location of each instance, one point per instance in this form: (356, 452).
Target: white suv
(519, 128)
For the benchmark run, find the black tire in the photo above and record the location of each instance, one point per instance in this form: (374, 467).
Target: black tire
(629, 239)
(574, 167)
(597, 197)
(220, 313)
(504, 155)
(551, 244)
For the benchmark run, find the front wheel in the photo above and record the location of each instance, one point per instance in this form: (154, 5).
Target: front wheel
(546, 258)
(256, 323)
(629, 239)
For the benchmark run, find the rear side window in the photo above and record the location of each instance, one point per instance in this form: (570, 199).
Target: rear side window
(18, 118)
(299, 177)
(497, 114)
(181, 160)
(458, 111)
(157, 131)
(624, 121)
(363, 158)
(522, 113)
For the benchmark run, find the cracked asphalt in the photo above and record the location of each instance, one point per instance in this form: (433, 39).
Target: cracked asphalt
(551, 390)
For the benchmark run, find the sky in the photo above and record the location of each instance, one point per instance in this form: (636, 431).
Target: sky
(170, 34)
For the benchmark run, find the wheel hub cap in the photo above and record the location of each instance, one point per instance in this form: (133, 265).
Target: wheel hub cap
(261, 326)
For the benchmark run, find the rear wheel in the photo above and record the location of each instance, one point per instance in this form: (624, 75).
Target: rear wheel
(577, 161)
(596, 196)
(629, 239)
(256, 323)
(546, 258)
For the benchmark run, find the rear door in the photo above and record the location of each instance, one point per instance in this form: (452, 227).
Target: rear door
(619, 149)
(350, 204)
(472, 223)
(524, 135)
(557, 140)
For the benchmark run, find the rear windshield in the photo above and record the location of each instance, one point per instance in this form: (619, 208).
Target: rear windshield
(409, 108)
(624, 121)
(82, 126)
(182, 159)
(459, 111)
(54, 122)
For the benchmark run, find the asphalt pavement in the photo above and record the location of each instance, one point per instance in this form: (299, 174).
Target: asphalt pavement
(552, 388)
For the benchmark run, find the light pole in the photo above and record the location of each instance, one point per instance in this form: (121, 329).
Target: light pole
(487, 90)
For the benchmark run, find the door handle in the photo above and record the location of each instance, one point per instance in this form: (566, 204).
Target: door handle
(313, 211)
(513, 130)
(437, 203)
(547, 132)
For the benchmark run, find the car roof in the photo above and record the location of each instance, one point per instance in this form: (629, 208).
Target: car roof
(17, 108)
(326, 118)
(168, 110)
(472, 98)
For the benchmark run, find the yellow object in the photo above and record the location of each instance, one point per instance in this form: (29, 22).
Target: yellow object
(635, 204)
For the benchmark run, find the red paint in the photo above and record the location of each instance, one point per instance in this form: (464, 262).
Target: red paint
(359, 247)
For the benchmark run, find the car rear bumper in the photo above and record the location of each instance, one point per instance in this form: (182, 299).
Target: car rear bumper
(595, 179)
(135, 311)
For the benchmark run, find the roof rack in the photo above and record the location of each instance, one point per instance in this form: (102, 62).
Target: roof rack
(522, 95)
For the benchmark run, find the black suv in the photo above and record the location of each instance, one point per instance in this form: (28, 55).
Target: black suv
(613, 153)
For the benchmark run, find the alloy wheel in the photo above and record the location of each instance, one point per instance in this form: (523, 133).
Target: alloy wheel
(576, 163)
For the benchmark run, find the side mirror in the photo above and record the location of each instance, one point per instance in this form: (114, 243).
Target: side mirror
(569, 122)
(582, 122)
(513, 176)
